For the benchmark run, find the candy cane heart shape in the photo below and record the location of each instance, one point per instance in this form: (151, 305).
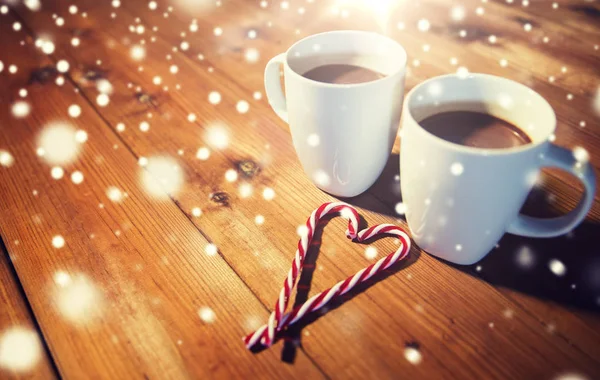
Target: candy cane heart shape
(278, 321)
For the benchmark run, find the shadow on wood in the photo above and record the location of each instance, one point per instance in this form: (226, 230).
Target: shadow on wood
(383, 196)
(519, 263)
(565, 269)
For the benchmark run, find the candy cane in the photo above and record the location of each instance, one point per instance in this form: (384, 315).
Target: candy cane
(278, 321)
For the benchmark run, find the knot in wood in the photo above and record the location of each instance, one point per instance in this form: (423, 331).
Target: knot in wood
(248, 168)
(220, 198)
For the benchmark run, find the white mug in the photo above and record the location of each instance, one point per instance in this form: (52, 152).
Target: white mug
(342, 133)
(460, 200)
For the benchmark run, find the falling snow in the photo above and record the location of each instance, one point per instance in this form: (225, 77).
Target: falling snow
(161, 176)
(321, 178)
(370, 253)
(58, 241)
(457, 169)
(581, 155)
(423, 25)
(114, 194)
(74, 111)
(104, 86)
(144, 126)
(6, 159)
(245, 190)
(137, 52)
(102, 100)
(210, 249)
(595, 102)
(313, 140)
(268, 194)
(457, 13)
(20, 109)
(20, 349)
(557, 267)
(62, 66)
(462, 72)
(252, 55)
(231, 175)
(413, 355)
(57, 172)
(33, 5)
(571, 376)
(302, 230)
(525, 258)
(217, 137)
(242, 106)
(77, 177)
(400, 208)
(214, 97)
(79, 300)
(203, 154)
(206, 314)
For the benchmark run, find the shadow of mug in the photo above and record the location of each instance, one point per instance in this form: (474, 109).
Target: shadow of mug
(565, 269)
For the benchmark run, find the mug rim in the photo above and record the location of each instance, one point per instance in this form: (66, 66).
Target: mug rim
(400, 70)
(474, 150)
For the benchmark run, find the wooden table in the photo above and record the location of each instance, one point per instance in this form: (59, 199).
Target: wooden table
(159, 256)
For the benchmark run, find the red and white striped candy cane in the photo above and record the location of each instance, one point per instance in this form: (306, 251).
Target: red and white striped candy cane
(278, 321)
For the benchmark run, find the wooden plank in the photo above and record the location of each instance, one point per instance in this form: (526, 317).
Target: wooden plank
(431, 330)
(23, 354)
(132, 291)
(444, 44)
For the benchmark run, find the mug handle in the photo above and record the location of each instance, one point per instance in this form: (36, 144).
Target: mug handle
(538, 227)
(273, 86)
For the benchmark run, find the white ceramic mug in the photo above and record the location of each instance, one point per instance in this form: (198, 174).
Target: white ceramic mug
(460, 200)
(342, 133)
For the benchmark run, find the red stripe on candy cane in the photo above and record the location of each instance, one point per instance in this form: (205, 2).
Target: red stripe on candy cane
(278, 320)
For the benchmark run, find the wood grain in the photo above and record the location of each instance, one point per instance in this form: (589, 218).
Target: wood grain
(468, 324)
(23, 354)
(123, 297)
